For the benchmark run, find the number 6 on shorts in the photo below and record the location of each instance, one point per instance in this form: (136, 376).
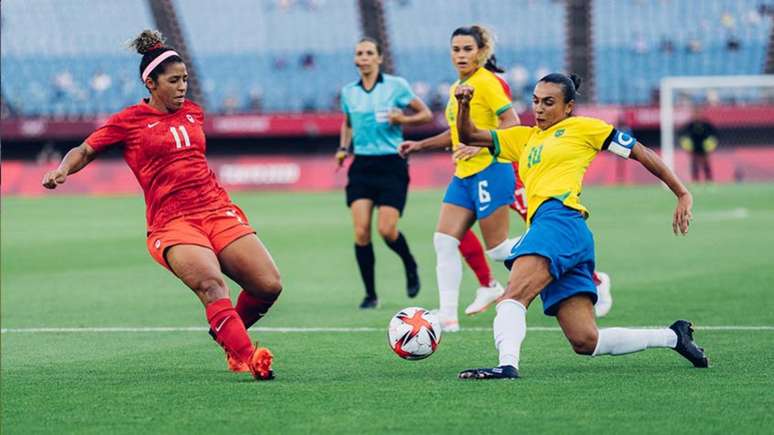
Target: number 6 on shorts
(483, 195)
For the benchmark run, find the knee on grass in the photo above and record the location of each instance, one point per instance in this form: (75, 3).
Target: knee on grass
(583, 342)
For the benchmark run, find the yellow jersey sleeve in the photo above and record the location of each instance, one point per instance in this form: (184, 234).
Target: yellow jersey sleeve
(509, 143)
(597, 132)
(494, 95)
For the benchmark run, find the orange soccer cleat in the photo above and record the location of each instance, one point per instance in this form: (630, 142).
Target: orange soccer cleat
(260, 364)
(235, 365)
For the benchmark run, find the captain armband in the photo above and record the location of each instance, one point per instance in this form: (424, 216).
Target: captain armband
(620, 143)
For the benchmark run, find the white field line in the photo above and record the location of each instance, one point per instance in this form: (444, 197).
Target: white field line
(317, 329)
(723, 215)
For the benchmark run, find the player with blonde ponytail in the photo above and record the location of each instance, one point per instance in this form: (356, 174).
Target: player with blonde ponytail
(482, 187)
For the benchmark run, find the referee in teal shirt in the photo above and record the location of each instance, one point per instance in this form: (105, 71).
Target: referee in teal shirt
(378, 176)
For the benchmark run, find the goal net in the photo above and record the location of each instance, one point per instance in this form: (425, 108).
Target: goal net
(730, 119)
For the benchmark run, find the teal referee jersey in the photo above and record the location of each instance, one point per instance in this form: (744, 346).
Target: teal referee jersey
(367, 114)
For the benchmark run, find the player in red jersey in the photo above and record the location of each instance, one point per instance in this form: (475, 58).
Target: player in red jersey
(194, 229)
(473, 253)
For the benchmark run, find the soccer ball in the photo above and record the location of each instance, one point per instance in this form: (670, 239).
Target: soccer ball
(414, 333)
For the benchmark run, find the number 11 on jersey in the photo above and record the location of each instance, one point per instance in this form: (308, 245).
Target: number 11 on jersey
(184, 133)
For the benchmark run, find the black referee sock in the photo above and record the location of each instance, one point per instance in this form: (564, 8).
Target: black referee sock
(400, 247)
(365, 261)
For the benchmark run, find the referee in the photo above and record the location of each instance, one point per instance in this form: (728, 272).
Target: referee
(700, 138)
(378, 176)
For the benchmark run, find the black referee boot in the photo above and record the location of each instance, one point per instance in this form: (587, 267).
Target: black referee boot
(369, 303)
(412, 281)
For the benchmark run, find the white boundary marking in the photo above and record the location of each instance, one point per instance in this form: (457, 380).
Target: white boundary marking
(723, 215)
(120, 329)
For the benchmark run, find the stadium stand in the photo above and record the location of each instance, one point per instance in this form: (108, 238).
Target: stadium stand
(638, 42)
(530, 39)
(299, 52)
(64, 73)
(296, 59)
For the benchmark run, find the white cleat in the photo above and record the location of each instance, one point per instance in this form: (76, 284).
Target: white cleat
(604, 297)
(485, 297)
(447, 324)
(450, 325)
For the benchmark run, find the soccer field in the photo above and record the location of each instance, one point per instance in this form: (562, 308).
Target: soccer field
(79, 266)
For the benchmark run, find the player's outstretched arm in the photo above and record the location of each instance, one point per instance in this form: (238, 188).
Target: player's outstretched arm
(469, 134)
(75, 160)
(653, 163)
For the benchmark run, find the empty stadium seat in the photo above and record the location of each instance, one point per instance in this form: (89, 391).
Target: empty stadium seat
(66, 58)
(47, 67)
(636, 43)
(256, 49)
(530, 37)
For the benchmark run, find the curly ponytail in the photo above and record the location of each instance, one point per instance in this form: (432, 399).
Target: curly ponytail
(485, 41)
(150, 44)
(147, 41)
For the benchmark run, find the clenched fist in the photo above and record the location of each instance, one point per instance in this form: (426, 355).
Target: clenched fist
(54, 178)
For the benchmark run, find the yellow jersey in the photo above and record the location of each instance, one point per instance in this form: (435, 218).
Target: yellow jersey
(552, 162)
(489, 101)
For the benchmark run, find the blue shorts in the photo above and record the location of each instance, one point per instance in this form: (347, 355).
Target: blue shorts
(485, 192)
(561, 235)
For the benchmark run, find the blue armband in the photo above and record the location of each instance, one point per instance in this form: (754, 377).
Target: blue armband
(621, 144)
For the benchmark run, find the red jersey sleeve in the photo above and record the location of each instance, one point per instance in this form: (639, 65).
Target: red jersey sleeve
(505, 85)
(114, 131)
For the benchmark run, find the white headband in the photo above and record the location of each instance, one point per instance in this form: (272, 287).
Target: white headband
(161, 58)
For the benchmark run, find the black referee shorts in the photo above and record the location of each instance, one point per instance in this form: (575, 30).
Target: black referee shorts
(382, 179)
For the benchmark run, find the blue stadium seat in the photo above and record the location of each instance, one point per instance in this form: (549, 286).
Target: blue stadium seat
(43, 39)
(632, 42)
(257, 47)
(530, 35)
(253, 51)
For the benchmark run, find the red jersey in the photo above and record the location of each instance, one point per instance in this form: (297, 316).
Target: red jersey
(505, 85)
(166, 153)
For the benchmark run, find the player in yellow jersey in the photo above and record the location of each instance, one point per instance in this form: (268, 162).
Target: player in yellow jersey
(482, 187)
(555, 257)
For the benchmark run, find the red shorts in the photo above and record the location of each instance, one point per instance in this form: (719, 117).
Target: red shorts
(214, 229)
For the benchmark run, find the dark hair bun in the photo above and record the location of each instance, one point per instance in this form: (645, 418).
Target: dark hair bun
(147, 41)
(576, 80)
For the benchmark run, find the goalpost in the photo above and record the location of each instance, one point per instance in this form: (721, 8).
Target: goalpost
(673, 86)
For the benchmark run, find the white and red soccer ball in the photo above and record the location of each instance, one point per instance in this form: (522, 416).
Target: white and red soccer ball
(414, 333)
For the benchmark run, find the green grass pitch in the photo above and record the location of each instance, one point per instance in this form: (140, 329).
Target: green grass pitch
(75, 262)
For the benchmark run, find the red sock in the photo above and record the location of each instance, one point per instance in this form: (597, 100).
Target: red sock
(229, 330)
(473, 252)
(251, 308)
(597, 281)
